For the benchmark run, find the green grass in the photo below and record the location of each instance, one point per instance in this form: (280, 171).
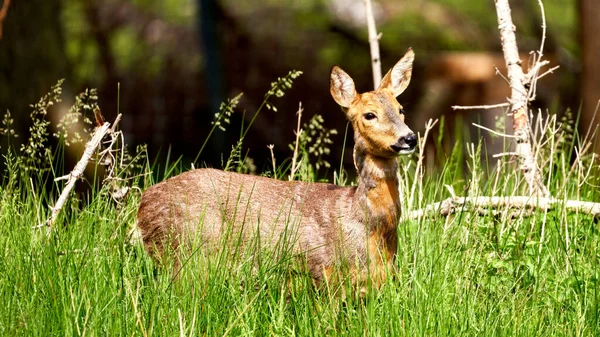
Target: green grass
(513, 273)
(464, 275)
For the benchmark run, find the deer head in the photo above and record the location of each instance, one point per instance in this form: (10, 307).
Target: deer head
(376, 116)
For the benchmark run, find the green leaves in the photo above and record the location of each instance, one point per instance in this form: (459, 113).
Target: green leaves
(314, 143)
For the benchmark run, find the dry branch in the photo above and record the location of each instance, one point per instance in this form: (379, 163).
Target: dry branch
(523, 87)
(77, 172)
(549, 71)
(492, 131)
(373, 44)
(519, 100)
(450, 205)
(483, 107)
(295, 166)
(271, 146)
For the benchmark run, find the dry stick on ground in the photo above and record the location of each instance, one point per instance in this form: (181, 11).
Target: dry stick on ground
(373, 44)
(449, 205)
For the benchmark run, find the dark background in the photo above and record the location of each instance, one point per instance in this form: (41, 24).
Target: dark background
(176, 60)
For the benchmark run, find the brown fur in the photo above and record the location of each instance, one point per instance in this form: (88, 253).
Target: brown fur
(327, 225)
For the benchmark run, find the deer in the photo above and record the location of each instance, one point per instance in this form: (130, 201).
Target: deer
(328, 226)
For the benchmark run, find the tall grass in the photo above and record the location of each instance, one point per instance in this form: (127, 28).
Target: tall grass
(509, 273)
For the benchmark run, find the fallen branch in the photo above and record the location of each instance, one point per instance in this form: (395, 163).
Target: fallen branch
(449, 206)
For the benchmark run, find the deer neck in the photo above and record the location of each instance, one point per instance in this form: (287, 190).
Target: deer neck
(378, 191)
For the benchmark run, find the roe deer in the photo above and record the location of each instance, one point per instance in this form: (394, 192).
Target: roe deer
(327, 225)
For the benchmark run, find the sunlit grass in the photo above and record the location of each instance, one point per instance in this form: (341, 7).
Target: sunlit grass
(468, 274)
(503, 273)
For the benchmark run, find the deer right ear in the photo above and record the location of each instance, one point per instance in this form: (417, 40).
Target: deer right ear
(341, 87)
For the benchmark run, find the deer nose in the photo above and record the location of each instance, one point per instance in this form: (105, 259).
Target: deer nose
(405, 144)
(410, 140)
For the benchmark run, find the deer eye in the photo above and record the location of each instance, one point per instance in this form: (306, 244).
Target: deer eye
(369, 116)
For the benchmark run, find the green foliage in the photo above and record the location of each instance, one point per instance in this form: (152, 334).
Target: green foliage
(225, 111)
(316, 139)
(7, 127)
(222, 118)
(517, 273)
(313, 144)
(35, 153)
(278, 89)
(85, 102)
(282, 84)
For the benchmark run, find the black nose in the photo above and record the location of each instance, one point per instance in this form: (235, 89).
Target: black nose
(410, 140)
(406, 143)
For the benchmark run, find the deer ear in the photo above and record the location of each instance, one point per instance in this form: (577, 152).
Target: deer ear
(398, 78)
(341, 87)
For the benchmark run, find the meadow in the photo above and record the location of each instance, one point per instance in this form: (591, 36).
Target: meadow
(477, 272)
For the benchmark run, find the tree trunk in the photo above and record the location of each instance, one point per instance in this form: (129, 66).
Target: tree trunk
(590, 60)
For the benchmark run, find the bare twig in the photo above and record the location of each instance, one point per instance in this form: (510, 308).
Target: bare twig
(373, 44)
(541, 50)
(484, 107)
(271, 146)
(116, 123)
(65, 177)
(549, 71)
(505, 154)
(499, 73)
(532, 74)
(295, 165)
(492, 131)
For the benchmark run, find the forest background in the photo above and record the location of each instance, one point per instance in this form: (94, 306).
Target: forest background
(167, 65)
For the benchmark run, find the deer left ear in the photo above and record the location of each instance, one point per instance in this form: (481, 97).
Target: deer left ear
(398, 78)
